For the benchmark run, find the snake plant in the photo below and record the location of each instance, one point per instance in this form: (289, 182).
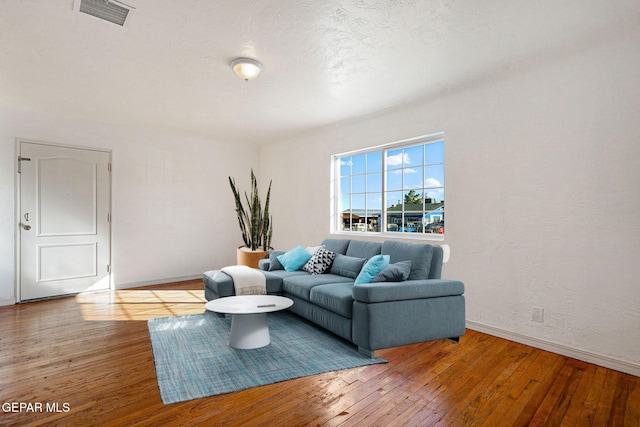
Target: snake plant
(255, 222)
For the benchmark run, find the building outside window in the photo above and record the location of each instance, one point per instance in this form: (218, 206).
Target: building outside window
(396, 188)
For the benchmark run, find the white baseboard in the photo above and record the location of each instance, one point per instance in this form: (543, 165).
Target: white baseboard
(156, 282)
(596, 359)
(8, 301)
(118, 286)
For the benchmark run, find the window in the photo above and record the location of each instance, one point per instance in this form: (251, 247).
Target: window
(396, 188)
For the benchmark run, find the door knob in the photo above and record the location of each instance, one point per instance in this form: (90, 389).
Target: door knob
(25, 226)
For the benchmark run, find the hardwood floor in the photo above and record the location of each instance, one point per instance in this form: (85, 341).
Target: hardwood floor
(89, 357)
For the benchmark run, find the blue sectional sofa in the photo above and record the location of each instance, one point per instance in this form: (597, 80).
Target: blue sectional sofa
(376, 315)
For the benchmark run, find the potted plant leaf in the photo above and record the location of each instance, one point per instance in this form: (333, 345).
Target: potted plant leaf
(255, 223)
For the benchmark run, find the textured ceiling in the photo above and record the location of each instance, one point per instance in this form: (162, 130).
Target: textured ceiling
(325, 61)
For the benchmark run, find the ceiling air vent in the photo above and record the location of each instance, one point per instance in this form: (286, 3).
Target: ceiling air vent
(107, 10)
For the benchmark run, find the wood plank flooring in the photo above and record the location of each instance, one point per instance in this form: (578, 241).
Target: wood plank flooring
(89, 359)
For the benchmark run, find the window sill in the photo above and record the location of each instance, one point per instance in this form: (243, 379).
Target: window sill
(393, 235)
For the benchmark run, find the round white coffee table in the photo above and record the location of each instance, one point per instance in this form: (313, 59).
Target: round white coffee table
(249, 327)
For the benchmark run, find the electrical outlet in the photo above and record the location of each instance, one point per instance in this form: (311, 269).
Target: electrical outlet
(537, 314)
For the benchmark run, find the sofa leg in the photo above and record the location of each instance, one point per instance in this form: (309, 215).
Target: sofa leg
(368, 353)
(454, 340)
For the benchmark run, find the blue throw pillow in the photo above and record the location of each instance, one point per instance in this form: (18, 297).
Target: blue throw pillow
(294, 259)
(371, 269)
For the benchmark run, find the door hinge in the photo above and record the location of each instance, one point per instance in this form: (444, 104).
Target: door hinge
(20, 160)
(109, 167)
(108, 268)
(108, 217)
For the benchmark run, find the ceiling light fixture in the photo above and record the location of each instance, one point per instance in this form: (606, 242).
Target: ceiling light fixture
(247, 69)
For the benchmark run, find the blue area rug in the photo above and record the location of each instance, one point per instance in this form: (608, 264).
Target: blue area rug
(193, 359)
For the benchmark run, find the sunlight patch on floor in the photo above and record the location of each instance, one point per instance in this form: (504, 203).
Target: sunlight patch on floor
(133, 304)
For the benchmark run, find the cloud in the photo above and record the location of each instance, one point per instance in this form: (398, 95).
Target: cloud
(400, 171)
(397, 159)
(433, 193)
(436, 195)
(432, 182)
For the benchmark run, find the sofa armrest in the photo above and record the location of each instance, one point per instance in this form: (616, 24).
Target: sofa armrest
(264, 264)
(408, 290)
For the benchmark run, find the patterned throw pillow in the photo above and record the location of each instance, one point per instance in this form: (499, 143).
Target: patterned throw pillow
(320, 261)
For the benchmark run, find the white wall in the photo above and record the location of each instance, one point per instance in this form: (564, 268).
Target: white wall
(542, 174)
(173, 211)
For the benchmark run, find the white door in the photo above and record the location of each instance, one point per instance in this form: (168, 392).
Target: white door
(64, 228)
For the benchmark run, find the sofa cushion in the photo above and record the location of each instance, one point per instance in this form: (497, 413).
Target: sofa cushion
(274, 282)
(347, 266)
(412, 290)
(282, 274)
(336, 297)
(375, 265)
(295, 258)
(320, 261)
(398, 272)
(338, 246)
(366, 250)
(301, 285)
(418, 253)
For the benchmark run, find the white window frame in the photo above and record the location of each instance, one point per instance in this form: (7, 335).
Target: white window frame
(336, 215)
